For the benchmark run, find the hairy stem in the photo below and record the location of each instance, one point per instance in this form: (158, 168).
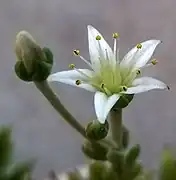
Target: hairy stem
(115, 119)
(55, 102)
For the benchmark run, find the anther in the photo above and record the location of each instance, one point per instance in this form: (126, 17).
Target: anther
(138, 71)
(115, 35)
(71, 66)
(124, 88)
(102, 85)
(139, 46)
(76, 52)
(98, 38)
(154, 61)
(168, 87)
(78, 82)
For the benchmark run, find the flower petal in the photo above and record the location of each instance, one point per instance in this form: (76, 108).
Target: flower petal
(145, 84)
(103, 105)
(100, 101)
(69, 77)
(71, 82)
(110, 103)
(98, 49)
(139, 57)
(71, 74)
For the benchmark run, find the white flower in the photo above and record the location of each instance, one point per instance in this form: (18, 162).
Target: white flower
(109, 77)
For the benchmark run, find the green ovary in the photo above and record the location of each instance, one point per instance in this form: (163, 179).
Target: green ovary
(110, 79)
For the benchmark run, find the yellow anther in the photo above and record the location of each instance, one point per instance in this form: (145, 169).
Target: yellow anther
(124, 88)
(76, 52)
(115, 35)
(138, 71)
(139, 46)
(78, 82)
(102, 85)
(71, 66)
(154, 61)
(98, 38)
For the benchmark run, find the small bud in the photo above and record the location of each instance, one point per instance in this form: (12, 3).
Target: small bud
(98, 38)
(132, 155)
(94, 151)
(124, 101)
(115, 35)
(96, 130)
(34, 63)
(139, 46)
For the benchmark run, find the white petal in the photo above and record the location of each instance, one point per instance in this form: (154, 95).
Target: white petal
(100, 101)
(71, 74)
(83, 85)
(110, 103)
(139, 57)
(145, 84)
(97, 49)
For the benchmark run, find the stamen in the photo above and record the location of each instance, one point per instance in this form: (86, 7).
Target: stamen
(98, 38)
(123, 88)
(154, 61)
(115, 35)
(138, 71)
(87, 62)
(76, 52)
(139, 46)
(107, 57)
(105, 89)
(78, 82)
(116, 49)
(71, 66)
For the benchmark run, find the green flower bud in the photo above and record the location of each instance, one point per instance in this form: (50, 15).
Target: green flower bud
(167, 169)
(94, 151)
(97, 131)
(124, 101)
(125, 137)
(132, 155)
(34, 63)
(115, 157)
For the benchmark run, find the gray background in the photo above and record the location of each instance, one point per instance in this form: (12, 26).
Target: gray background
(61, 24)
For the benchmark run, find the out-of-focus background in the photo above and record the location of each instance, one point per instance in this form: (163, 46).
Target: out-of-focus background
(61, 25)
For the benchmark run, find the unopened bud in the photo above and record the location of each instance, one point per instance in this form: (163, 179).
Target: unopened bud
(27, 50)
(96, 130)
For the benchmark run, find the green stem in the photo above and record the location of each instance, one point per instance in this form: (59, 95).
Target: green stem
(115, 119)
(55, 102)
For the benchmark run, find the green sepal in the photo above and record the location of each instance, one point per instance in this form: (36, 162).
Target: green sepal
(124, 101)
(94, 151)
(167, 170)
(97, 131)
(132, 155)
(41, 68)
(117, 159)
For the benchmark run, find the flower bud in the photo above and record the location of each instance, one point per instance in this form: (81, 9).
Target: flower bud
(34, 63)
(27, 50)
(97, 131)
(132, 155)
(94, 151)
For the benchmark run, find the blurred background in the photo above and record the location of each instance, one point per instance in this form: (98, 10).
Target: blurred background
(61, 25)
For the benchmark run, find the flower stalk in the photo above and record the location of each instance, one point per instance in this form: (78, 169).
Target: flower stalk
(115, 120)
(55, 102)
